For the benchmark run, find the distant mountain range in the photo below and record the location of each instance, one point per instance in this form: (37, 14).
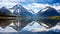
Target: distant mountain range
(48, 11)
(6, 12)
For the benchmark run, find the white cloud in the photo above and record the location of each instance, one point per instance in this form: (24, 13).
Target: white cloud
(36, 6)
(7, 5)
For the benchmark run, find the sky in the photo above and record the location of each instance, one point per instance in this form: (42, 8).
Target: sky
(35, 5)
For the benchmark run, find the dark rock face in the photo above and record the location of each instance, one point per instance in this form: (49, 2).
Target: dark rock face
(5, 10)
(49, 12)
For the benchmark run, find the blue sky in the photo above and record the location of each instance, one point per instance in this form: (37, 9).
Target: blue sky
(35, 5)
(40, 1)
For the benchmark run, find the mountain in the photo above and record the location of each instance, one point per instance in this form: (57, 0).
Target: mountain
(48, 11)
(20, 10)
(4, 10)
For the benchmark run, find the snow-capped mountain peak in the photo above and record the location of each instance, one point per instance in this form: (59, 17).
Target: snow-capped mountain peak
(31, 11)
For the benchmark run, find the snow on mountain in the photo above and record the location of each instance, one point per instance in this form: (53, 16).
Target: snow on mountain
(30, 10)
(48, 11)
(20, 10)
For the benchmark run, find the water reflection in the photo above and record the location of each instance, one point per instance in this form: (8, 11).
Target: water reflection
(21, 23)
(49, 22)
